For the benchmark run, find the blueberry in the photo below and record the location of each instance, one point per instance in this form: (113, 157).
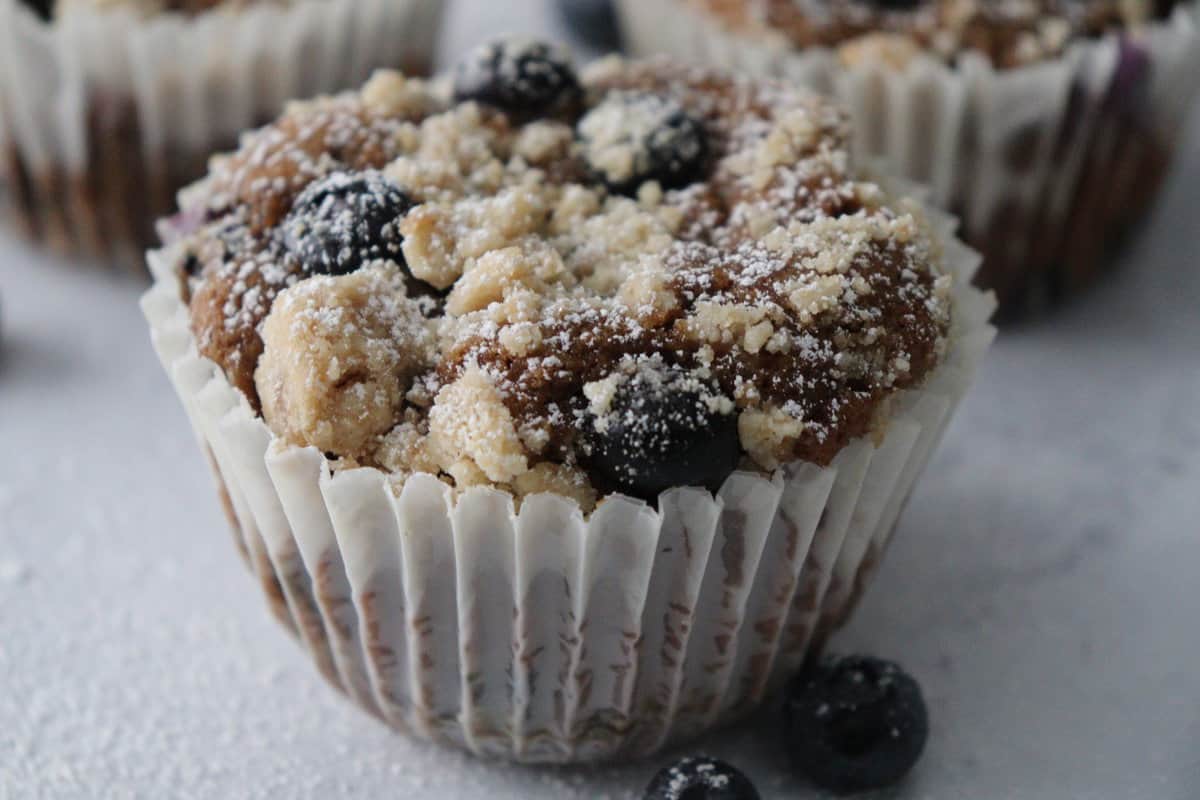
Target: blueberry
(662, 428)
(523, 77)
(856, 723)
(345, 220)
(633, 137)
(700, 778)
(43, 8)
(593, 21)
(1163, 8)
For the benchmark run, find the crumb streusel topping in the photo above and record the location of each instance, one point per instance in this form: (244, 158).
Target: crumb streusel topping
(670, 274)
(1007, 32)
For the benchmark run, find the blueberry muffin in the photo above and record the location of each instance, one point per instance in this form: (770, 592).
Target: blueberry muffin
(642, 297)
(109, 107)
(1047, 125)
(1009, 34)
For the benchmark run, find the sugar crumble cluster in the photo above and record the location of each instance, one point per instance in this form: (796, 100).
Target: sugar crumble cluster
(642, 277)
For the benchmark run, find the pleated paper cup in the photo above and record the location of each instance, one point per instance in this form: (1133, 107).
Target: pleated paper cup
(539, 633)
(105, 115)
(1048, 165)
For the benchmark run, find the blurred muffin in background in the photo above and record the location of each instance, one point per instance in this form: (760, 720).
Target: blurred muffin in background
(1046, 125)
(108, 107)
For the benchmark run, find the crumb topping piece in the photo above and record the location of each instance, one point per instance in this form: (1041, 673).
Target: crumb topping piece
(339, 354)
(550, 303)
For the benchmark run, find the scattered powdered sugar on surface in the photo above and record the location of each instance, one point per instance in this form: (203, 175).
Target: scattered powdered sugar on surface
(7, 497)
(137, 662)
(14, 571)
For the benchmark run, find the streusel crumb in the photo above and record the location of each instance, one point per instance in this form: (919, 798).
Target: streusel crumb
(339, 354)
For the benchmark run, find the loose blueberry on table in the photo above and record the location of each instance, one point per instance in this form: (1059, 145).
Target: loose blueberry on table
(855, 724)
(700, 778)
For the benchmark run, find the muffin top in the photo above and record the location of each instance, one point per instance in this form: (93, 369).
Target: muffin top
(642, 278)
(1009, 33)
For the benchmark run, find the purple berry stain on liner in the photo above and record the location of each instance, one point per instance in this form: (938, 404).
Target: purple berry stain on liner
(1129, 90)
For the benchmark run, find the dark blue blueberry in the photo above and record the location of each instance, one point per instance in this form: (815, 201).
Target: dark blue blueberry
(855, 724)
(192, 265)
(1164, 8)
(700, 778)
(43, 8)
(525, 78)
(346, 220)
(630, 138)
(593, 21)
(663, 428)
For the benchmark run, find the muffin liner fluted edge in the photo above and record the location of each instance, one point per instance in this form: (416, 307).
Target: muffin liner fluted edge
(104, 115)
(542, 634)
(1048, 165)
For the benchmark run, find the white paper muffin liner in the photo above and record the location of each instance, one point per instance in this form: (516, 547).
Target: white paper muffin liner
(104, 116)
(1044, 163)
(542, 635)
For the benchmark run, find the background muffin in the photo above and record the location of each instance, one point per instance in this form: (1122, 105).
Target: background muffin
(1047, 125)
(640, 359)
(108, 107)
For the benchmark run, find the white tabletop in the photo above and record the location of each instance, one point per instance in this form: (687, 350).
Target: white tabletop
(1042, 585)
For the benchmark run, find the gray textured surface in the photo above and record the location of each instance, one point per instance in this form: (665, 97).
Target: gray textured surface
(1042, 585)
